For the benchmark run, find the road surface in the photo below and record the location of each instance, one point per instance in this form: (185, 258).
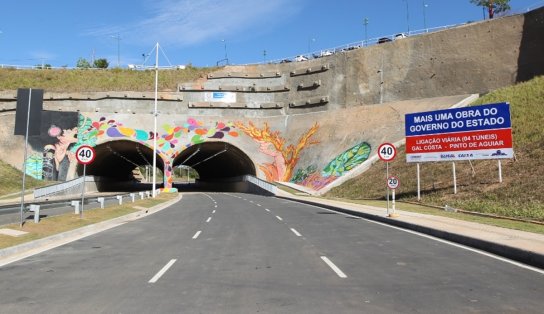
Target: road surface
(242, 253)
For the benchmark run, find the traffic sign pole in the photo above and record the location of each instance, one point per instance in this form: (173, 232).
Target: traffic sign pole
(82, 192)
(387, 176)
(392, 183)
(387, 153)
(85, 154)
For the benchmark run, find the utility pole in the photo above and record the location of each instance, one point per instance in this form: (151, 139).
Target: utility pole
(118, 37)
(365, 23)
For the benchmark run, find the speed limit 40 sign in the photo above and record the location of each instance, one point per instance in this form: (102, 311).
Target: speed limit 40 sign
(387, 152)
(85, 154)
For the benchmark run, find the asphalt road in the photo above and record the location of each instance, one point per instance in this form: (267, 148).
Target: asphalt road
(240, 253)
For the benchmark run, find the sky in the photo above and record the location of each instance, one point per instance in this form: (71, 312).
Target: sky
(204, 32)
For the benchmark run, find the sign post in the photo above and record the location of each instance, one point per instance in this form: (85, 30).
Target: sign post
(85, 155)
(387, 153)
(392, 183)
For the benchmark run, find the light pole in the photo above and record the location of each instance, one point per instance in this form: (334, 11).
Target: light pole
(226, 57)
(425, 5)
(310, 40)
(155, 114)
(118, 37)
(407, 16)
(264, 56)
(365, 23)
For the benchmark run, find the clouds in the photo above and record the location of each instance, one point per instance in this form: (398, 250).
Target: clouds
(189, 22)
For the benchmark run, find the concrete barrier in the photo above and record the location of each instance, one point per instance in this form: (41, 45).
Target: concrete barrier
(76, 206)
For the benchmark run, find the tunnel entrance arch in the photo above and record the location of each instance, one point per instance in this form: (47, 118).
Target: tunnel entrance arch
(118, 159)
(216, 161)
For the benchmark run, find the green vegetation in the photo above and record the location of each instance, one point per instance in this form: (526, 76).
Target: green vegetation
(66, 222)
(87, 79)
(11, 180)
(519, 195)
(493, 6)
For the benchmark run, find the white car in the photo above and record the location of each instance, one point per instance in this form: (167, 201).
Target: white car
(399, 36)
(300, 58)
(326, 53)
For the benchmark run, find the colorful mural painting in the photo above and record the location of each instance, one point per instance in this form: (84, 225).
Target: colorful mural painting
(64, 132)
(272, 144)
(58, 162)
(336, 168)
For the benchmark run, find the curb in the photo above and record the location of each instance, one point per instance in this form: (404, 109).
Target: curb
(24, 250)
(519, 255)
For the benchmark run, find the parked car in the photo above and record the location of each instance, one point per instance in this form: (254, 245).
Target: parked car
(326, 53)
(384, 40)
(399, 36)
(300, 58)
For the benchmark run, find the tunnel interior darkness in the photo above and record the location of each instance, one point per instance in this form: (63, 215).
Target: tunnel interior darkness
(212, 160)
(117, 159)
(216, 161)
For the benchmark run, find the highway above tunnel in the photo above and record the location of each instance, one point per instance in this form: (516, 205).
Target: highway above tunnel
(243, 253)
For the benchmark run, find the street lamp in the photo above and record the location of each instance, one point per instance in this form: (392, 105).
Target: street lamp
(310, 40)
(425, 5)
(226, 57)
(365, 23)
(407, 16)
(118, 37)
(264, 56)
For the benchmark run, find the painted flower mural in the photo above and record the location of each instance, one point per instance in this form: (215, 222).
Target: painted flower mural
(336, 168)
(272, 144)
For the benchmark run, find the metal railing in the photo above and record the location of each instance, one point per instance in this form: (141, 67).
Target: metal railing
(265, 185)
(61, 187)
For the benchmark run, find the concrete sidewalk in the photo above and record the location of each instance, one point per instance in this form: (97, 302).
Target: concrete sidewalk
(521, 246)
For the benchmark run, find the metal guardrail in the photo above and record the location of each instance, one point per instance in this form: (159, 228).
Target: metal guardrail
(57, 188)
(64, 186)
(265, 185)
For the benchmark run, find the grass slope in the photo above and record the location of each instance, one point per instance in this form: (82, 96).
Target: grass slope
(518, 196)
(95, 80)
(11, 180)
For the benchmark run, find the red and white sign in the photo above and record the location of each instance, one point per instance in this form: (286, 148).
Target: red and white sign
(85, 154)
(387, 152)
(393, 182)
(478, 132)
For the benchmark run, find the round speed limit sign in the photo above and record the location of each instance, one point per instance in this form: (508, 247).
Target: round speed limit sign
(387, 152)
(393, 182)
(85, 154)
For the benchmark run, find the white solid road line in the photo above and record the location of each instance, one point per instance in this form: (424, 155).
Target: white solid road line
(279, 218)
(464, 247)
(209, 218)
(296, 232)
(334, 267)
(162, 271)
(197, 234)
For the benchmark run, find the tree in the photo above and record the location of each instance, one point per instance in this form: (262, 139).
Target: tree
(83, 63)
(101, 63)
(493, 6)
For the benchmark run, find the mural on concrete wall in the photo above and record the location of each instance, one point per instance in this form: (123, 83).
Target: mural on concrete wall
(169, 142)
(272, 144)
(65, 132)
(57, 142)
(336, 168)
